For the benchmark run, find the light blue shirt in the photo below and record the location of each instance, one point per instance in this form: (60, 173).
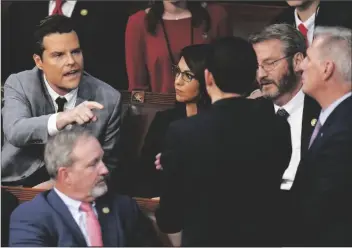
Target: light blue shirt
(324, 114)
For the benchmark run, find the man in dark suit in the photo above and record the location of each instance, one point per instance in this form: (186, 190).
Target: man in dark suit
(280, 49)
(230, 151)
(77, 211)
(100, 26)
(55, 95)
(322, 189)
(305, 15)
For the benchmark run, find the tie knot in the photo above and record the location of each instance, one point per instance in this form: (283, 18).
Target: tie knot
(86, 207)
(303, 29)
(282, 113)
(60, 103)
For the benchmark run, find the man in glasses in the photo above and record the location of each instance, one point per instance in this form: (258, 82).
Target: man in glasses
(280, 49)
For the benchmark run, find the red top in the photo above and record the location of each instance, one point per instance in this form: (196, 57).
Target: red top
(147, 58)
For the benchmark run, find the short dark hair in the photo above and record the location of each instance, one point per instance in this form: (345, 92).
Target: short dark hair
(233, 63)
(195, 57)
(50, 25)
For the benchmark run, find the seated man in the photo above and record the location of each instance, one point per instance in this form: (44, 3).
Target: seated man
(54, 95)
(77, 211)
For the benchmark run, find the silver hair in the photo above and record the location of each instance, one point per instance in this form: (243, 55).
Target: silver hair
(59, 148)
(292, 40)
(337, 45)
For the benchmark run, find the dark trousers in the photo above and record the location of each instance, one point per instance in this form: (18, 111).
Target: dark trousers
(39, 176)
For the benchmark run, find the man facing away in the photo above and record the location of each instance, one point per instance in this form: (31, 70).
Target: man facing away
(322, 189)
(55, 95)
(221, 168)
(78, 211)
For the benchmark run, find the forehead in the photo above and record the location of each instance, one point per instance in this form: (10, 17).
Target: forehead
(87, 149)
(61, 42)
(269, 49)
(183, 65)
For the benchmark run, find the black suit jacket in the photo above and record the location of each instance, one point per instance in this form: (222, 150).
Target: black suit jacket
(331, 13)
(323, 186)
(222, 175)
(101, 34)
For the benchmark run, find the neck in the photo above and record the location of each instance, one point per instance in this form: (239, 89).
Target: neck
(223, 95)
(328, 96)
(307, 9)
(285, 98)
(175, 8)
(191, 109)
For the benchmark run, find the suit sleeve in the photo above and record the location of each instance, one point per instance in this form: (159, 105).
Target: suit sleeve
(112, 136)
(20, 127)
(135, 54)
(169, 215)
(26, 230)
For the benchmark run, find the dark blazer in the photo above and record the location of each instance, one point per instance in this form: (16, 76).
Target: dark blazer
(8, 203)
(26, 112)
(323, 187)
(46, 221)
(222, 175)
(153, 144)
(331, 13)
(101, 34)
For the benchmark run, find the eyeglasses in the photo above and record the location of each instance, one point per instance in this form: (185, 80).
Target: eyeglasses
(185, 75)
(269, 66)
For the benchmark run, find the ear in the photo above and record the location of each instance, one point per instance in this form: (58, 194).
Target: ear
(209, 79)
(328, 70)
(297, 61)
(38, 61)
(63, 175)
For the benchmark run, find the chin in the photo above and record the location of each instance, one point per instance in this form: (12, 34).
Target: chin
(99, 190)
(295, 3)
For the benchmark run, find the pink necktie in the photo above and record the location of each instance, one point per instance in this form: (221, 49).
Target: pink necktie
(93, 226)
(304, 32)
(58, 7)
(315, 133)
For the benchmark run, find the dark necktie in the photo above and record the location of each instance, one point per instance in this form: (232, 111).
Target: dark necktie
(282, 113)
(60, 103)
(58, 7)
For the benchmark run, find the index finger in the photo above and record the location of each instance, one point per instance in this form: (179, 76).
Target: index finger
(93, 105)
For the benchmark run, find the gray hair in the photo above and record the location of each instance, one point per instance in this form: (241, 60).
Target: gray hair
(337, 45)
(292, 40)
(59, 148)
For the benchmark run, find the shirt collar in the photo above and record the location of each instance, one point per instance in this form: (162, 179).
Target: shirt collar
(308, 23)
(72, 204)
(294, 104)
(69, 96)
(324, 114)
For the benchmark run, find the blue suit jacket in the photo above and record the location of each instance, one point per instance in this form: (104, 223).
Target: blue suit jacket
(46, 221)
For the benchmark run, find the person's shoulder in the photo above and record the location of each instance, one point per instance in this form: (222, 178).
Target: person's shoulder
(138, 17)
(99, 87)
(23, 77)
(32, 209)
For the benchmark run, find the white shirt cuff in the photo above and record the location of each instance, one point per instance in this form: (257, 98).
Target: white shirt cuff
(52, 128)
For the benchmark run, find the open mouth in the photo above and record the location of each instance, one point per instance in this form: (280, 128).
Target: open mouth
(72, 73)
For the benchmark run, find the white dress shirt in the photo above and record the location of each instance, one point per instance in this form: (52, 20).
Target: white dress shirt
(79, 216)
(71, 98)
(295, 108)
(324, 114)
(309, 24)
(67, 7)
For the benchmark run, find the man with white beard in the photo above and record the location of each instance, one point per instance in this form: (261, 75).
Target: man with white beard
(78, 211)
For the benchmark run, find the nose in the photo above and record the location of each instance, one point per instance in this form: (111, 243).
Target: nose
(261, 73)
(103, 169)
(70, 59)
(178, 80)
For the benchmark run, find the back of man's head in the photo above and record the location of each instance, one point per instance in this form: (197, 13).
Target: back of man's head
(233, 63)
(51, 25)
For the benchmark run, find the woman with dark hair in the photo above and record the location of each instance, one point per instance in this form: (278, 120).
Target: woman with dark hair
(155, 37)
(191, 98)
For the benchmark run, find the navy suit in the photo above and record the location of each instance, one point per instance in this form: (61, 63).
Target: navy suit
(323, 187)
(46, 221)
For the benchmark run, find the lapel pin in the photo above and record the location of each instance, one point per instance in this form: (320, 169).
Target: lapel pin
(313, 122)
(84, 12)
(205, 36)
(106, 210)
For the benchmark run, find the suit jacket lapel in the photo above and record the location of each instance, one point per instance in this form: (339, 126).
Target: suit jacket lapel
(47, 104)
(311, 111)
(60, 208)
(109, 220)
(85, 93)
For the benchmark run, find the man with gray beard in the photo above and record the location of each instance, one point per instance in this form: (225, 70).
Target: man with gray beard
(77, 211)
(280, 50)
